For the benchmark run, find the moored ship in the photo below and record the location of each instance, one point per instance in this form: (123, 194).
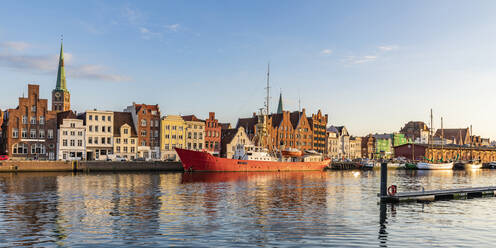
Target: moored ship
(249, 158)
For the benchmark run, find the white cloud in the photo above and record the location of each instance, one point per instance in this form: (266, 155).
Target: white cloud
(47, 64)
(15, 45)
(326, 51)
(147, 34)
(133, 16)
(360, 59)
(388, 48)
(172, 27)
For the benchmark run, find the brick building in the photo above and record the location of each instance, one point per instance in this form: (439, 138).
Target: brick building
(287, 129)
(302, 131)
(319, 124)
(212, 134)
(368, 146)
(146, 119)
(417, 131)
(458, 136)
(125, 136)
(29, 130)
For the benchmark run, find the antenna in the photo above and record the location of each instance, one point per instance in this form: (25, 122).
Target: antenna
(267, 100)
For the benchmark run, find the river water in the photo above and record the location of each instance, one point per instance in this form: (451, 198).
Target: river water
(293, 209)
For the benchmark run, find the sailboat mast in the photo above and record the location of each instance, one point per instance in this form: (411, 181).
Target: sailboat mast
(442, 136)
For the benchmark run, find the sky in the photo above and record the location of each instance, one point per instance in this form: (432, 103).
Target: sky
(370, 65)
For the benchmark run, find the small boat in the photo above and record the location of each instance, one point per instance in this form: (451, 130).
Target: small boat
(435, 166)
(369, 164)
(395, 165)
(473, 165)
(491, 165)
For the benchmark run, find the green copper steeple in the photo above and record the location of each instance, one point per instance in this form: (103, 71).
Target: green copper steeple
(61, 84)
(279, 106)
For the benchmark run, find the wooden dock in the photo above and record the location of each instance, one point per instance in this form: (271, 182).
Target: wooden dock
(429, 195)
(434, 195)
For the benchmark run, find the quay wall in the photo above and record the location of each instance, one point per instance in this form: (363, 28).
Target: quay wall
(88, 166)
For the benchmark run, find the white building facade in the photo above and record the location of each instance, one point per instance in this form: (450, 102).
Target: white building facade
(71, 140)
(99, 134)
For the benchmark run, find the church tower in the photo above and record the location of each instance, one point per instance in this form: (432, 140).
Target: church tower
(279, 106)
(61, 98)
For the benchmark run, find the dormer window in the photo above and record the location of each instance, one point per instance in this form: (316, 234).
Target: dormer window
(33, 109)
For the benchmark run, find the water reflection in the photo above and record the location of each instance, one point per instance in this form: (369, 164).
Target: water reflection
(237, 209)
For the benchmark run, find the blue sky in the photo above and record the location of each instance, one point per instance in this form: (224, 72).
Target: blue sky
(371, 65)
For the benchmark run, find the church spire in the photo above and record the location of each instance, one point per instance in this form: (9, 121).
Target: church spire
(279, 106)
(61, 84)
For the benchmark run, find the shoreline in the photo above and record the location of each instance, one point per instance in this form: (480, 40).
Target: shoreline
(88, 166)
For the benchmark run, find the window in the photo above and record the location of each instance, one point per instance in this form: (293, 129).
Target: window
(73, 133)
(118, 149)
(80, 143)
(143, 133)
(24, 119)
(32, 134)
(109, 141)
(125, 149)
(64, 132)
(189, 135)
(109, 129)
(33, 120)
(96, 129)
(42, 120)
(64, 142)
(200, 146)
(180, 137)
(143, 123)
(15, 133)
(33, 148)
(166, 147)
(132, 141)
(174, 127)
(156, 123)
(117, 140)
(180, 128)
(103, 118)
(103, 140)
(73, 143)
(96, 117)
(167, 127)
(109, 118)
(194, 146)
(156, 133)
(132, 149)
(125, 141)
(167, 136)
(154, 112)
(200, 135)
(144, 111)
(103, 129)
(194, 135)
(91, 128)
(91, 117)
(50, 133)
(42, 134)
(80, 133)
(96, 140)
(33, 109)
(90, 140)
(143, 143)
(173, 136)
(126, 131)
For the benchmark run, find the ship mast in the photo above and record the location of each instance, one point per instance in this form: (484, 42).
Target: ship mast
(267, 100)
(442, 139)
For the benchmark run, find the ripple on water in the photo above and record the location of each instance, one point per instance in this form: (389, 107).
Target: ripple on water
(337, 208)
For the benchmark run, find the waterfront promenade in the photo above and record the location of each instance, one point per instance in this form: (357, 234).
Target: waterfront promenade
(88, 166)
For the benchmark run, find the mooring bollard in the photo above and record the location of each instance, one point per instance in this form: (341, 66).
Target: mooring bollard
(383, 179)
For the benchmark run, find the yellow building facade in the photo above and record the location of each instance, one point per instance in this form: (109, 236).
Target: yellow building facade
(173, 134)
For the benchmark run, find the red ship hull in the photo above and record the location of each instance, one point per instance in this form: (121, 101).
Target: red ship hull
(204, 161)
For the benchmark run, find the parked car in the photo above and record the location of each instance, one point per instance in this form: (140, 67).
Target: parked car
(4, 157)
